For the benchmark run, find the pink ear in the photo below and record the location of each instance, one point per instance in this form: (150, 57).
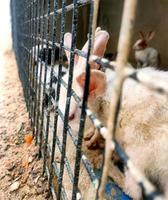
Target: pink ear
(82, 61)
(97, 84)
(100, 44)
(67, 43)
(150, 35)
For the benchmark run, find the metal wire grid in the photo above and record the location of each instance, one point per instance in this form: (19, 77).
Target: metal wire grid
(32, 27)
(31, 23)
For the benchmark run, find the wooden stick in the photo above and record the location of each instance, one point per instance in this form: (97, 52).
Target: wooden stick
(94, 23)
(123, 53)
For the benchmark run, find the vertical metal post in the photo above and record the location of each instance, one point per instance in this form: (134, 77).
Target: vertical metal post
(37, 75)
(59, 77)
(43, 92)
(46, 73)
(35, 67)
(83, 108)
(40, 66)
(67, 107)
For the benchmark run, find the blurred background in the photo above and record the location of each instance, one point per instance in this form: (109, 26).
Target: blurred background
(5, 26)
(5, 36)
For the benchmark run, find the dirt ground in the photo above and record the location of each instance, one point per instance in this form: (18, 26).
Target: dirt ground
(20, 170)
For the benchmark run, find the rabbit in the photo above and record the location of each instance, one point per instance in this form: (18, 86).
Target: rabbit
(101, 39)
(142, 129)
(100, 43)
(42, 57)
(145, 55)
(40, 53)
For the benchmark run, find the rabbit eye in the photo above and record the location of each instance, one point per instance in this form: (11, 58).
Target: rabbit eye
(71, 117)
(142, 44)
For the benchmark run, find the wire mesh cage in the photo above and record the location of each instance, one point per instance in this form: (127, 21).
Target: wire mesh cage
(39, 30)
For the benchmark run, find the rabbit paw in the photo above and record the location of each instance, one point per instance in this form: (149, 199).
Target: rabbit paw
(93, 139)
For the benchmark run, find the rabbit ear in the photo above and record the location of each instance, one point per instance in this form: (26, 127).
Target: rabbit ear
(141, 34)
(97, 29)
(85, 47)
(97, 84)
(67, 43)
(150, 35)
(100, 44)
(80, 62)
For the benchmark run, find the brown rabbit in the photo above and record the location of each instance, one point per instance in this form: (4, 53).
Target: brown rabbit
(142, 129)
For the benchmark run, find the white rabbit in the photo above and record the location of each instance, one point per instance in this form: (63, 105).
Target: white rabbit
(145, 55)
(142, 129)
(101, 39)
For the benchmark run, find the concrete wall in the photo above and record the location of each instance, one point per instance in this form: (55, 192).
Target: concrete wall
(151, 15)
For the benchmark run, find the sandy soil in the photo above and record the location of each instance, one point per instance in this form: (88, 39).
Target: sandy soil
(20, 170)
